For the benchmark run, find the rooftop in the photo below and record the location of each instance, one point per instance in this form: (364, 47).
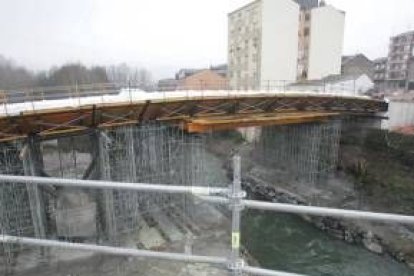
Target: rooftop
(403, 34)
(383, 59)
(243, 7)
(346, 59)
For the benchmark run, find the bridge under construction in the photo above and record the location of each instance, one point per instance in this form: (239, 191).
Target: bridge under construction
(67, 110)
(77, 163)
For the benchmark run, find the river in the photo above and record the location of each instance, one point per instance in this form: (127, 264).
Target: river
(288, 243)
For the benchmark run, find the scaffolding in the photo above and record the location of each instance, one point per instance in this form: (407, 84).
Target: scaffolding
(151, 152)
(306, 152)
(103, 188)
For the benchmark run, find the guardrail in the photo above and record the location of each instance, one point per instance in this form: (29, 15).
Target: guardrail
(233, 197)
(16, 101)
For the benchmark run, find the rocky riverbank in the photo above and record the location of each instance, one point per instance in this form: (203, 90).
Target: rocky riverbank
(331, 226)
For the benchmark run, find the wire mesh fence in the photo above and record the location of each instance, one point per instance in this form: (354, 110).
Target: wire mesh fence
(306, 152)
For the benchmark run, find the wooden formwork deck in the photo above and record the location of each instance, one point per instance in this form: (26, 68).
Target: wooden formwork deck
(195, 114)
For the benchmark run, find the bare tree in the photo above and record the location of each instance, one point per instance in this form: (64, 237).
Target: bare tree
(72, 74)
(130, 76)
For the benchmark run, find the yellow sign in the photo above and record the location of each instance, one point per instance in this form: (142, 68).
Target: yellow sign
(235, 240)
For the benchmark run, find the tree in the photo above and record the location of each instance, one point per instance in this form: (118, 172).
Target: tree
(130, 76)
(13, 76)
(74, 74)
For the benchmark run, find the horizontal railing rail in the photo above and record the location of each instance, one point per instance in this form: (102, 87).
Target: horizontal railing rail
(316, 211)
(209, 194)
(91, 184)
(126, 252)
(12, 101)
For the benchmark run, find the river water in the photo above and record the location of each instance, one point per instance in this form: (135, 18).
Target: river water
(288, 243)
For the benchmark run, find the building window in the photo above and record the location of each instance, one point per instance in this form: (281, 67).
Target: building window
(307, 17)
(306, 32)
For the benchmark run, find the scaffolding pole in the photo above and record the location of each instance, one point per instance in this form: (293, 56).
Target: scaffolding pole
(126, 252)
(315, 211)
(328, 212)
(207, 194)
(110, 185)
(113, 251)
(235, 200)
(265, 272)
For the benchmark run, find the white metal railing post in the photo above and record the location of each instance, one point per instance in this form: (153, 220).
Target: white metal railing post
(236, 196)
(130, 92)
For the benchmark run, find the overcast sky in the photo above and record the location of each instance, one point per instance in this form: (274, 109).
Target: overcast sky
(162, 35)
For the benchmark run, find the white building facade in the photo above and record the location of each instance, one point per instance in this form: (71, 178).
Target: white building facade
(275, 42)
(326, 42)
(263, 43)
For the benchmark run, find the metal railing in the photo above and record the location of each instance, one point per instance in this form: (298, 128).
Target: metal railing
(233, 197)
(13, 102)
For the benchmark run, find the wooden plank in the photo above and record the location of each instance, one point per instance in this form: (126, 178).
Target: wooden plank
(227, 123)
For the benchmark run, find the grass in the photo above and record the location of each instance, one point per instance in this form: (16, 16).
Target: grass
(383, 169)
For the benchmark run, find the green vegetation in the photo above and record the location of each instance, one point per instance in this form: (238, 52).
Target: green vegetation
(382, 166)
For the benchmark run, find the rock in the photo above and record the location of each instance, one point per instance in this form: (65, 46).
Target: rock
(372, 244)
(411, 265)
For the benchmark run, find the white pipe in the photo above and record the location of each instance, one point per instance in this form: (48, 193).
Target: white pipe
(328, 212)
(108, 185)
(265, 272)
(316, 211)
(202, 191)
(115, 251)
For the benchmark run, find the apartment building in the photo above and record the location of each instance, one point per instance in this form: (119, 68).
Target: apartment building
(401, 53)
(263, 43)
(285, 41)
(321, 37)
